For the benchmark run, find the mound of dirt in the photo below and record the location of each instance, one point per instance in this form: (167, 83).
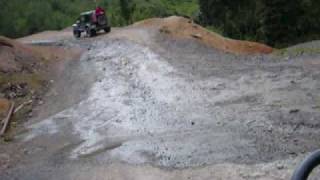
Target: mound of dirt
(48, 36)
(15, 57)
(25, 73)
(21, 75)
(179, 27)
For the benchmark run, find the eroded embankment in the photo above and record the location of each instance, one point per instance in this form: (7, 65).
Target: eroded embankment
(179, 27)
(26, 74)
(146, 107)
(139, 96)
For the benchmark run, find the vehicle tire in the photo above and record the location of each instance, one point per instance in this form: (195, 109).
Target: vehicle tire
(91, 32)
(107, 29)
(77, 34)
(307, 166)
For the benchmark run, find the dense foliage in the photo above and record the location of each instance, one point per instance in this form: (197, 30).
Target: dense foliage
(275, 22)
(22, 17)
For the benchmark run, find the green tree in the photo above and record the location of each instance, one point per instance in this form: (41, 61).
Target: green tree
(276, 22)
(237, 19)
(280, 21)
(127, 8)
(22, 17)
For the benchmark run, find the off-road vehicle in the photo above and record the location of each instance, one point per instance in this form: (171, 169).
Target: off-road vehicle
(91, 23)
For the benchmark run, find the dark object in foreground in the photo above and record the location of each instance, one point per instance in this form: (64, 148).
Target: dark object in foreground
(91, 23)
(307, 166)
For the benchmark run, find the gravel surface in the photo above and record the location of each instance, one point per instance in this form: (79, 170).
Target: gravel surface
(173, 109)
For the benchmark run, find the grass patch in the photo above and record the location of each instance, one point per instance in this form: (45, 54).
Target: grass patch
(35, 81)
(296, 51)
(215, 29)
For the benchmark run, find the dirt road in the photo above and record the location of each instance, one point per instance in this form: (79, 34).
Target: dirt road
(142, 105)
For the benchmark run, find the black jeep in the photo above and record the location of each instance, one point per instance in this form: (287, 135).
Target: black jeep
(91, 23)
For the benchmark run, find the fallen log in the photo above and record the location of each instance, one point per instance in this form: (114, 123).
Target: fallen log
(197, 36)
(6, 120)
(21, 106)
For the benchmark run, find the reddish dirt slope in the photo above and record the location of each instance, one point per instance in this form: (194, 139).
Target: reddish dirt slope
(179, 27)
(15, 57)
(4, 107)
(25, 72)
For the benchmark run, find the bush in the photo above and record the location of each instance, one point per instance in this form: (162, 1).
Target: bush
(275, 22)
(22, 17)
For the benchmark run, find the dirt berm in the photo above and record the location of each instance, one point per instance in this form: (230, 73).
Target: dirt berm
(179, 27)
(162, 100)
(25, 72)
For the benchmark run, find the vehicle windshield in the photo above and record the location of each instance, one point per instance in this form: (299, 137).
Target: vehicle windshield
(85, 18)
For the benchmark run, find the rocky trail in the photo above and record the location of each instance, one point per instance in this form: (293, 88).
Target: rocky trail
(145, 102)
